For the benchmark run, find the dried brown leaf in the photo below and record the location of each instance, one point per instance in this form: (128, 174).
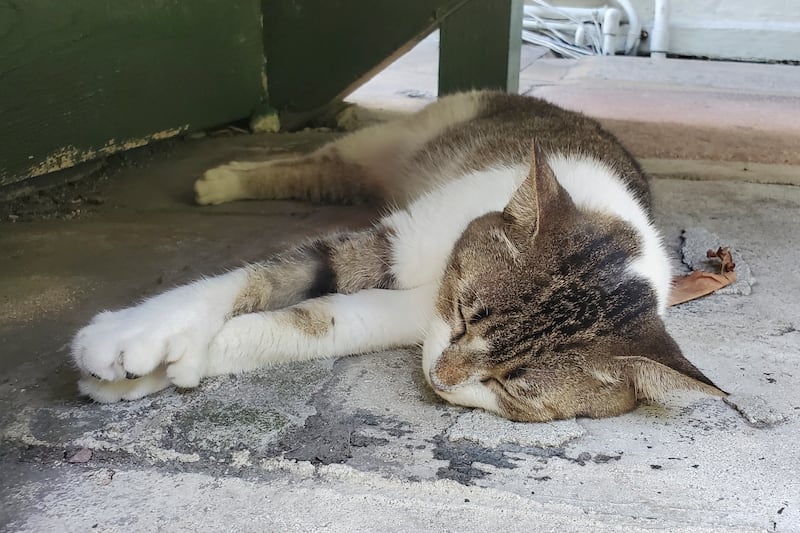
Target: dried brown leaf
(701, 283)
(724, 255)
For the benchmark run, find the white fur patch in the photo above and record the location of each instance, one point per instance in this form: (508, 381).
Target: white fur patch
(172, 329)
(594, 185)
(473, 395)
(425, 232)
(436, 340)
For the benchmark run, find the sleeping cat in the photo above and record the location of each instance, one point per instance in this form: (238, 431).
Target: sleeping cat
(520, 252)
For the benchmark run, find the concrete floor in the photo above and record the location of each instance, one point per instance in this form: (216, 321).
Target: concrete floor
(361, 444)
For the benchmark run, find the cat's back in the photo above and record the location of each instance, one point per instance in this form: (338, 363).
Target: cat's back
(506, 125)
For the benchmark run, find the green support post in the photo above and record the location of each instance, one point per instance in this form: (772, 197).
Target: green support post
(480, 47)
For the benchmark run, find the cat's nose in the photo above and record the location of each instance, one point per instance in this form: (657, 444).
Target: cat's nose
(450, 370)
(437, 383)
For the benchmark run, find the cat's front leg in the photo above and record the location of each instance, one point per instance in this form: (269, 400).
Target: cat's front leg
(166, 338)
(330, 326)
(133, 352)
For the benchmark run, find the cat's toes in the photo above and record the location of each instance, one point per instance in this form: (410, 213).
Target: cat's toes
(140, 355)
(218, 185)
(112, 350)
(129, 369)
(120, 346)
(103, 391)
(96, 350)
(129, 353)
(186, 360)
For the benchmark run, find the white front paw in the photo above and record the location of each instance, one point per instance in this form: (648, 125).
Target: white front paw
(165, 339)
(169, 342)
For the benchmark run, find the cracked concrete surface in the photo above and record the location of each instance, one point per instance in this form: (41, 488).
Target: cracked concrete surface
(361, 443)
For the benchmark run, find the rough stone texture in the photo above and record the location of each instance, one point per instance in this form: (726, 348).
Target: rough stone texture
(337, 500)
(755, 410)
(491, 431)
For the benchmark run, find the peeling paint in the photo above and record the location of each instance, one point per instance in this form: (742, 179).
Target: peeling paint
(69, 156)
(264, 79)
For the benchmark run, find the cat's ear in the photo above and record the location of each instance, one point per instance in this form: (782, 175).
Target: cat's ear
(537, 199)
(661, 367)
(652, 380)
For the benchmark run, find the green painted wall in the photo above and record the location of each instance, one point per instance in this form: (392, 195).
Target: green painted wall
(81, 78)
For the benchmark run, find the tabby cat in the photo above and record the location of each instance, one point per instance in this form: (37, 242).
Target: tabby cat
(520, 252)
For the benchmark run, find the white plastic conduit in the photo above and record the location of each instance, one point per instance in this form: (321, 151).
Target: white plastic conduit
(593, 30)
(610, 30)
(659, 40)
(634, 27)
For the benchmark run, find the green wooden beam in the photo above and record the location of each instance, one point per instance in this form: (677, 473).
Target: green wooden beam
(83, 78)
(480, 47)
(321, 50)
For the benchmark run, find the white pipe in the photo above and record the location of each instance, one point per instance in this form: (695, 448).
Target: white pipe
(610, 31)
(634, 26)
(564, 49)
(659, 40)
(580, 36)
(565, 13)
(588, 35)
(548, 25)
(568, 25)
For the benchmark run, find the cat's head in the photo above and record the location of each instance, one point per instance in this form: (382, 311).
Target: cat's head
(540, 315)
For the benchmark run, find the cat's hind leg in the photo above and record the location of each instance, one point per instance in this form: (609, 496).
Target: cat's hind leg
(375, 164)
(324, 176)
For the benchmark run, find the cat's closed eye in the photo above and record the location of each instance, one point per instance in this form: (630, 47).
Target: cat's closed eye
(515, 373)
(468, 319)
(458, 335)
(479, 314)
